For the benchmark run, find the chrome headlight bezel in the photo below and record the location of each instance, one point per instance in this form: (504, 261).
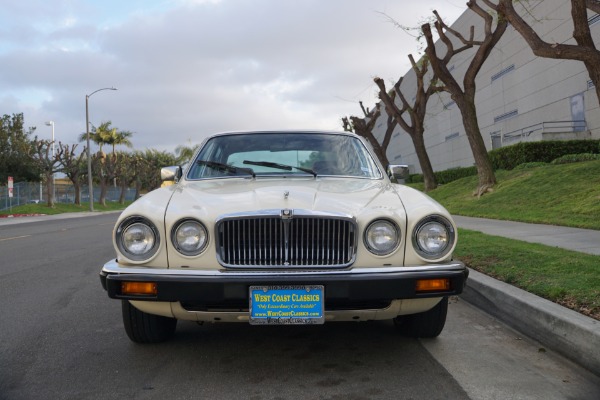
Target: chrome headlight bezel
(435, 225)
(183, 248)
(146, 228)
(380, 228)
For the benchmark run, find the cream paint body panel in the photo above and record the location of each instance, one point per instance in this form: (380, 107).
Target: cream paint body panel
(206, 200)
(364, 199)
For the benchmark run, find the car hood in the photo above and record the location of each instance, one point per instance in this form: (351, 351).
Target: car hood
(340, 195)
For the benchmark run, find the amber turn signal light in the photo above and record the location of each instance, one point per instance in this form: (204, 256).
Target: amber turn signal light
(139, 288)
(433, 285)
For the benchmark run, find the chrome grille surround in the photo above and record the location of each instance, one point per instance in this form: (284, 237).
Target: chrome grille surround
(286, 238)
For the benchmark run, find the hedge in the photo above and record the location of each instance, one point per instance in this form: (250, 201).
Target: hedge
(448, 175)
(526, 152)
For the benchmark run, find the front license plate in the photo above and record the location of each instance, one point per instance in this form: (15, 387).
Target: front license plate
(294, 305)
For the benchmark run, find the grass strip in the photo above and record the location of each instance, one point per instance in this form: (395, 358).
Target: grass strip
(569, 278)
(60, 208)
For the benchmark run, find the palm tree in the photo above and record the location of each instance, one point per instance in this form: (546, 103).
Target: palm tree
(185, 153)
(115, 138)
(104, 134)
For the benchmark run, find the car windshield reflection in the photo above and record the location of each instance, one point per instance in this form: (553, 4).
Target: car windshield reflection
(283, 154)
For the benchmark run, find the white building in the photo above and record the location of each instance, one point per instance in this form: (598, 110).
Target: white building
(520, 97)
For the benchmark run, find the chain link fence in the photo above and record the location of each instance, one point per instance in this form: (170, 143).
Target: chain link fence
(35, 192)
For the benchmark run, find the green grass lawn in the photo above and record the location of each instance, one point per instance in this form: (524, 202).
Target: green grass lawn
(567, 195)
(566, 277)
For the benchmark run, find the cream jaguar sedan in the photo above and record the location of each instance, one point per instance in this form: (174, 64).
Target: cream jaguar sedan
(283, 228)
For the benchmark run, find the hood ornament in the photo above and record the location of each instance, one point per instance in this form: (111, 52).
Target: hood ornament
(286, 194)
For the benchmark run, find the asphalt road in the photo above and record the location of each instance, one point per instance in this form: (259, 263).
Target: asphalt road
(61, 337)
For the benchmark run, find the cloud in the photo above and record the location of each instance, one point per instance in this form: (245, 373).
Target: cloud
(187, 68)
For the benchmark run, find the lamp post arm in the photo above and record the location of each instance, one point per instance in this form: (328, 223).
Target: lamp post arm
(87, 135)
(89, 160)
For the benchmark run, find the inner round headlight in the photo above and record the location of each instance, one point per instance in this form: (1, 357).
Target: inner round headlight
(137, 238)
(382, 237)
(434, 237)
(189, 237)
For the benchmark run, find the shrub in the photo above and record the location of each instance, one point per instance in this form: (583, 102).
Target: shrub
(453, 174)
(573, 158)
(446, 176)
(525, 155)
(525, 152)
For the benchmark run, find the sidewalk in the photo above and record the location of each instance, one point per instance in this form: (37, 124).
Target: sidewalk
(565, 331)
(583, 240)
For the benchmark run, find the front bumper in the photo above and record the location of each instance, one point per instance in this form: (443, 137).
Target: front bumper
(349, 288)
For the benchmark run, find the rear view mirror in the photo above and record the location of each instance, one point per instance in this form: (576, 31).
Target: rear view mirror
(172, 173)
(398, 173)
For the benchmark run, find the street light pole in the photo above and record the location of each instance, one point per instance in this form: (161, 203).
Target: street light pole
(51, 123)
(87, 135)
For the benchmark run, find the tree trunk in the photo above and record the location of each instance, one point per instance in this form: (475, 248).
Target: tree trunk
(485, 171)
(122, 194)
(426, 168)
(50, 190)
(77, 189)
(103, 189)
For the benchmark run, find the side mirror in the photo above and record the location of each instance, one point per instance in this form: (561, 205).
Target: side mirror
(172, 173)
(398, 173)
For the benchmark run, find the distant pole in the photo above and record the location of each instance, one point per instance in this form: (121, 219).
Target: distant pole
(51, 123)
(87, 135)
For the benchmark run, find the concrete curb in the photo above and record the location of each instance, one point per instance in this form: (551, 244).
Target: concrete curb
(562, 330)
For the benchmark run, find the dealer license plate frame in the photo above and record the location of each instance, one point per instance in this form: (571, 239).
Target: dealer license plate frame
(269, 305)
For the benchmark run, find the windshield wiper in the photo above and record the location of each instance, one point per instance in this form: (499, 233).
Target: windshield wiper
(224, 167)
(280, 166)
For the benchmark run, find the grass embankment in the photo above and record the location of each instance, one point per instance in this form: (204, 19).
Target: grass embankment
(60, 208)
(567, 195)
(565, 277)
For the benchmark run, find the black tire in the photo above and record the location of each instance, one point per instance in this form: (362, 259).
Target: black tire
(428, 324)
(142, 327)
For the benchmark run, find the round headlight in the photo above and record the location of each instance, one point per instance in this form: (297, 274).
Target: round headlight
(434, 237)
(137, 238)
(189, 237)
(382, 237)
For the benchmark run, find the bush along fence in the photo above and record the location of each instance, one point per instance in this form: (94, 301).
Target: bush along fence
(526, 154)
(35, 192)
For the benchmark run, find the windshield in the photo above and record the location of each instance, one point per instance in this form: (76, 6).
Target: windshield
(289, 154)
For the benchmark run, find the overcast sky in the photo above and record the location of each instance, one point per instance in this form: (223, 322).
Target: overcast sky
(188, 68)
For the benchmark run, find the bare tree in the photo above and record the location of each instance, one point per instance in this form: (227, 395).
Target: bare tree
(585, 50)
(105, 167)
(126, 170)
(47, 163)
(416, 113)
(364, 127)
(464, 96)
(73, 167)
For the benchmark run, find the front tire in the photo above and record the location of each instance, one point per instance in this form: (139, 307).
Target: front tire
(428, 324)
(142, 327)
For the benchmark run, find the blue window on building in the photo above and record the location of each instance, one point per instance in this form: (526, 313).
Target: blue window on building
(505, 116)
(503, 72)
(452, 136)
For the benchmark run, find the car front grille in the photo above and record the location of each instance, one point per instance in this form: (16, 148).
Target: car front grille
(286, 239)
